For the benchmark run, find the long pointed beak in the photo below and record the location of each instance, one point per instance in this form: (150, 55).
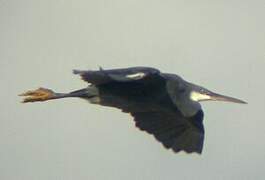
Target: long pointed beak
(219, 97)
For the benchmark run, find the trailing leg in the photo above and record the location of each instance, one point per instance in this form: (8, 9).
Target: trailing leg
(43, 94)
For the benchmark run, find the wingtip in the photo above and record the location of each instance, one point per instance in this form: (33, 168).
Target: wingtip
(100, 68)
(198, 152)
(76, 71)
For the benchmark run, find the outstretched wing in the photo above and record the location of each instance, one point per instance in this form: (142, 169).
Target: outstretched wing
(173, 130)
(141, 91)
(120, 75)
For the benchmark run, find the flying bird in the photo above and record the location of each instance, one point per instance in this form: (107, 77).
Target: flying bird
(162, 104)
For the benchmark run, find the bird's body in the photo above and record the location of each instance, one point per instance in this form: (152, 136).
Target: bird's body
(162, 104)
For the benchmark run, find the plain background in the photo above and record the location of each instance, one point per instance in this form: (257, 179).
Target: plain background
(217, 44)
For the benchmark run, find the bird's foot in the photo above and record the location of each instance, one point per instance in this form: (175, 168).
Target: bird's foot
(40, 94)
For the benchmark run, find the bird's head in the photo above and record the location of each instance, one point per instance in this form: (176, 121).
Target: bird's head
(198, 93)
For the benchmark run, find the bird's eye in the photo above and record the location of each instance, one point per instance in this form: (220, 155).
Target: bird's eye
(202, 91)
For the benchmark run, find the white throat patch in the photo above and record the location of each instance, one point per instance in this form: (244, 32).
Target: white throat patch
(196, 96)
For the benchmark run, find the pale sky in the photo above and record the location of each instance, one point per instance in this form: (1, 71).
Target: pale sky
(217, 44)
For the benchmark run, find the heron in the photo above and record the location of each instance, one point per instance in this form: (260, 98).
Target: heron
(161, 104)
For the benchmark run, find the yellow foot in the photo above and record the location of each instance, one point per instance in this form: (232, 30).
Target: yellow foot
(40, 94)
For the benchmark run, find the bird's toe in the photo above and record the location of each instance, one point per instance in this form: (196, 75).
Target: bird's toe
(41, 94)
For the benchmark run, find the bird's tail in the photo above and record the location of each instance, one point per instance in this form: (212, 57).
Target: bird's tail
(43, 94)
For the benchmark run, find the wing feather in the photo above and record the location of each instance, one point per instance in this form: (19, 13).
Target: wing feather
(120, 75)
(172, 130)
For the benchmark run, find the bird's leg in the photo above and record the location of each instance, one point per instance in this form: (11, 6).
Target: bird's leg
(41, 94)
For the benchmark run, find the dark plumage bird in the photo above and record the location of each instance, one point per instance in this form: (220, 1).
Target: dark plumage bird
(161, 104)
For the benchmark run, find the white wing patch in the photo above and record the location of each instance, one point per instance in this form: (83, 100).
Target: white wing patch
(136, 75)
